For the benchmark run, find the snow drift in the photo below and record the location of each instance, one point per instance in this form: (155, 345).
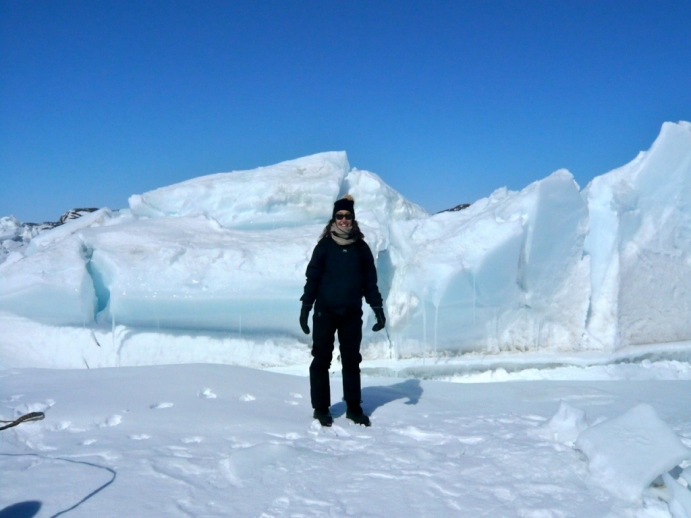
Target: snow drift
(546, 268)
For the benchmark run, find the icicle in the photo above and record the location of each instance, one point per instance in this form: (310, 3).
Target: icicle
(424, 327)
(112, 323)
(436, 319)
(474, 302)
(539, 331)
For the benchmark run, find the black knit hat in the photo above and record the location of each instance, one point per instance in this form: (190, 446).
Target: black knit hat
(345, 203)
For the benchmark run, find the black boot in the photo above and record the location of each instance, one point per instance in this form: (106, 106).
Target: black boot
(323, 416)
(356, 415)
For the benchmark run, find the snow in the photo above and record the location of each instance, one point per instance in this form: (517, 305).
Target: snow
(147, 441)
(536, 362)
(565, 426)
(288, 194)
(680, 503)
(628, 452)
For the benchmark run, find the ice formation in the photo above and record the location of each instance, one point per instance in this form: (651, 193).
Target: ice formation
(626, 453)
(565, 425)
(680, 501)
(546, 268)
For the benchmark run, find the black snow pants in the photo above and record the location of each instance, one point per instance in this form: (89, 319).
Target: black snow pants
(325, 324)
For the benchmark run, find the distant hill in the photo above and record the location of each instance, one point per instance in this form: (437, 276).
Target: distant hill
(456, 208)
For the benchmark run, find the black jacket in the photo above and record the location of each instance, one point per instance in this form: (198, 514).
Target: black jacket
(339, 276)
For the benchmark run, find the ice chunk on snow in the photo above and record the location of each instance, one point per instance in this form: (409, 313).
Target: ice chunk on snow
(627, 453)
(680, 504)
(295, 192)
(565, 425)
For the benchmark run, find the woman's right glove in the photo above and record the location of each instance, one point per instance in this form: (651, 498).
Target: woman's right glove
(381, 319)
(304, 316)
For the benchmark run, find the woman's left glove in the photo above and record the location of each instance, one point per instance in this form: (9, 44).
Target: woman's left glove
(304, 316)
(381, 319)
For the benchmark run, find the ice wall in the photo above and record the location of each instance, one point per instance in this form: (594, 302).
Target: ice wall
(191, 273)
(548, 267)
(640, 243)
(506, 273)
(51, 286)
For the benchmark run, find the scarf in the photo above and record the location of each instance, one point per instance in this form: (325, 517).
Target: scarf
(342, 237)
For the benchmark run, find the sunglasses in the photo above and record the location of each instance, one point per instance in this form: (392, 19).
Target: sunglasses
(346, 216)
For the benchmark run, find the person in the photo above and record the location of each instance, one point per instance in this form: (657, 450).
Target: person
(340, 272)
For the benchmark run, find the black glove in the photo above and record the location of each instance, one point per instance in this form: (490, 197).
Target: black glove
(381, 319)
(304, 315)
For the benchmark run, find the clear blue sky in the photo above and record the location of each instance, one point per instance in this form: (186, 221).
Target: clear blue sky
(446, 101)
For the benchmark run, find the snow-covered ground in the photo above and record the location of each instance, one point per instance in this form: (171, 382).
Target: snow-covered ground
(217, 440)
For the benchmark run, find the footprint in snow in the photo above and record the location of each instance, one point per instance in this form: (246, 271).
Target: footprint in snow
(422, 436)
(87, 442)
(291, 402)
(470, 439)
(206, 394)
(113, 420)
(292, 436)
(25, 408)
(158, 406)
(62, 425)
(316, 428)
(247, 397)
(296, 395)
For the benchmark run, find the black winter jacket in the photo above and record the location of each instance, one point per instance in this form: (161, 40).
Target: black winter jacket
(339, 276)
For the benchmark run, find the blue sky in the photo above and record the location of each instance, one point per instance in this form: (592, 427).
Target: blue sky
(446, 101)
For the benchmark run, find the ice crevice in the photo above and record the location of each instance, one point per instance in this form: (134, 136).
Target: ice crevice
(101, 291)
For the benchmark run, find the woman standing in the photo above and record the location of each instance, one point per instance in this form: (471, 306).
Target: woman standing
(339, 274)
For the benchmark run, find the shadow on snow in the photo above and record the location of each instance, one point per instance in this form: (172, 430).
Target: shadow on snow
(375, 397)
(24, 509)
(27, 509)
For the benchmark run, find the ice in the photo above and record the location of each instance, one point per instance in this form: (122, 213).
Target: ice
(680, 503)
(51, 286)
(565, 425)
(639, 244)
(191, 273)
(295, 192)
(378, 205)
(59, 233)
(13, 236)
(506, 273)
(548, 269)
(626, 453)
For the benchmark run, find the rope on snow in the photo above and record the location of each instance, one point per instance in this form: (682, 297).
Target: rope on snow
(33, 416)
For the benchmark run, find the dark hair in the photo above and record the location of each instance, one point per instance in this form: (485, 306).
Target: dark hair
(355, 231)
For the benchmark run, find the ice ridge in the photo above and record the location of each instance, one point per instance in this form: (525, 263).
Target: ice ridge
(547, 268)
